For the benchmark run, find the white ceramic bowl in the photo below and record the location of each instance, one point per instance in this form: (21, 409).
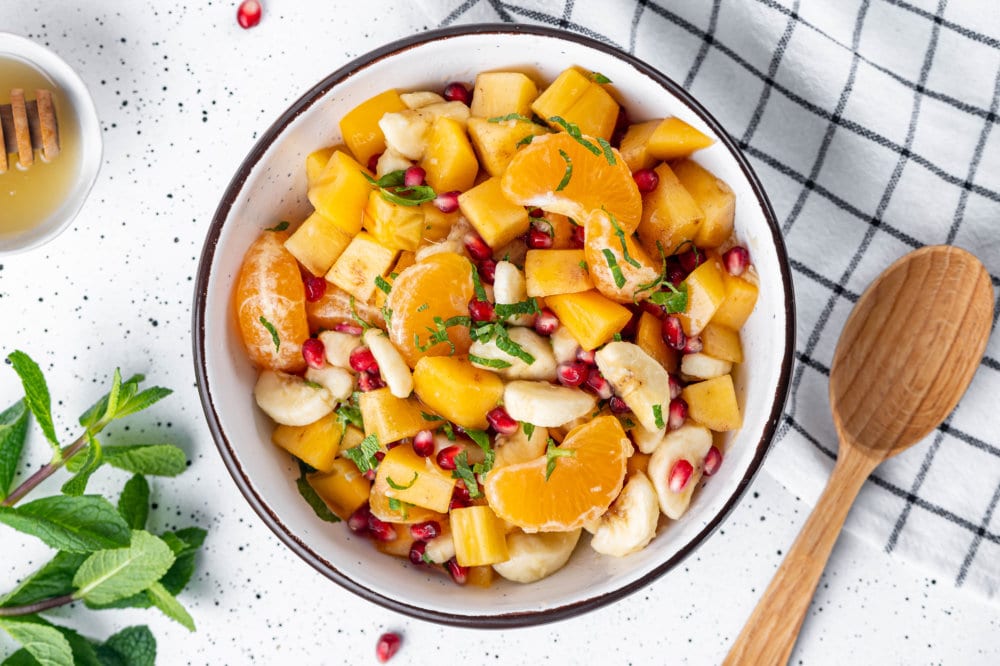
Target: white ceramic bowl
(271, 185)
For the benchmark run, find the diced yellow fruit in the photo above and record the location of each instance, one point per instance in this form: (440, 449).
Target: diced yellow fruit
(393, 510)
(721, 342)
(456, 389)
(480, 576)
(394, 226)
(649, 337)
(389, 417)
(637, 462)
(315, 163)
(406, 259)
(496, 142)
(449, 161)
(315, 444)
(398, 547)
(591, 317)
(706, 291)
(633, 147)
(437, 224)
(352, 437)
(670, 215)
(479, 536)
(548, 272)
(502, 93)
(674, 139)
(715, 199)
(741, 296)
(340, 193)
(578, 100)
(561, 94)
(712, 403)
(495, 217)
(360, 125)
(422, 482)
(344, 488)
(355, 269)
(562, 231)
(317, 243)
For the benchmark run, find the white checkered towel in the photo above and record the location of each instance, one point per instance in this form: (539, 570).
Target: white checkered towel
(872, 124)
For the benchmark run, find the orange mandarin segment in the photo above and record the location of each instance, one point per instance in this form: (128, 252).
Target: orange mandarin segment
(270, 301)
(535, 174)
(585, 481)
(618, 265)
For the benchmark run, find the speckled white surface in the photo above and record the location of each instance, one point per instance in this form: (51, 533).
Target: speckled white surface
(182, 93)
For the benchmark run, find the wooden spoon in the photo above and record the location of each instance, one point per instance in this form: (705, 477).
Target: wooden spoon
(906, 355)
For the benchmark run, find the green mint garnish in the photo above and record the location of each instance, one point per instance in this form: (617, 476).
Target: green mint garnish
(569, 171)
(312, 498)
(675, 300)
(273, 331)
(621, 237)
(495, 363)
(574, 131)
(529, 429)
(553, 453)
(658, 415)
(280, 226)
(525, 141)
(528, 307)
(584, 266)
(348, 414)
(383, 284)
(358, 320)
(597, 77)
(510, 116)
(477, 284)
(400, 507)
(465, 473)
(609, 154)
(617, 337)
(422, 307)
(393, 189)
(396, 486)
(616, 270)
(363, 455)
(431, 417)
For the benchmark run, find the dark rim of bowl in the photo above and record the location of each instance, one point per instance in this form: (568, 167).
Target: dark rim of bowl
(507, 620)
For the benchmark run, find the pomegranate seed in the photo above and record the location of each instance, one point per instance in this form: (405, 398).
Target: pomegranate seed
(536, 212)
(314, 353)
(414, 176)
(693, 345)
(691, 259)
(618, 406)
(417, 551)
(678, 413)
(381, 531)
(481, 310)
(373, 162)
(458, 502)
(673, 333)
(713, 460)
(598, 384)
(736, 260)
(369, 382)
(388, 645)
(423, 443)
(461, 493)
(578, 239)
(629, 330)
(477, 247)
(457, 92)
(458, 573)
(646, 180)
(654, 309)
(447, 202)
(426, 530)
(248, 14)
(315, 288)
(572, 374)
(675, 387)
(358, 522)
(546, 322)
(501, 421)
(680, 474)
(585, 356)
(487, 270)
(539, 239)
(446, 457)
(379, 455)
(675, 274)
(351, 329)
(362, 360)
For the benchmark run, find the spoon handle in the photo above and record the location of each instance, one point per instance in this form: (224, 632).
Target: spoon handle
(769, 635)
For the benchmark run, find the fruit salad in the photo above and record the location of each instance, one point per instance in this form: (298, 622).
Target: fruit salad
(512, 317)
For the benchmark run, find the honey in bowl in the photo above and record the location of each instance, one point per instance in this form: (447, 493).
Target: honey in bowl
(29, 196)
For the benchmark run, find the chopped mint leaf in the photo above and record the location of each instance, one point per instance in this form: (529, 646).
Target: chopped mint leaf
(349, 414)
(273, 331)
(357, 319)
(465, 474)
(383, 284)
(280, 226)
(449, 431)
(621, 237)
(312, 498)
(569, 171)
(675, 300)
(529, 429)
(393, 189)
(527, 307)
(363, 455)
(597, 77)
(616, 270)
(482, 440)
(584, 266)
(525, 141)
(609, 154)
(422, 307)
(431, 417)
(658, 415)
(496, 363)
(396, 486)
(617, 337)
(510, 116)
(400, 507)
(477, 284)
(574, 131)
(552, 453)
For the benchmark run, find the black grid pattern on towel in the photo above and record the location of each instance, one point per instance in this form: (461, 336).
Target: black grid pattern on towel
(817, 188)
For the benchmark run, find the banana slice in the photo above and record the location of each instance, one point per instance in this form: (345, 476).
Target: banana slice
(630, 523)
(690, 442)
(518, 447)
(390, 161)
(543, 367)
(638, 379)
(647, 440)
(289, 400)
(509, 288)
(453, 242)
(338, 347)
(421, 98)
(564, 345)
(535, 556)
(406, 131)
(703, 366)
(391, 365)
(441, 548)
(339, 382)
(543, 404)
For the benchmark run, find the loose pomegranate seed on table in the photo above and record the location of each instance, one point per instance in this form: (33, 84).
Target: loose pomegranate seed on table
(248, 13)
(388, 645)
(678, 413)
(447, 202)
(736, 260)
(572, 374)
(713, 460)
(501, 421)
(314, 353)
(426, 530)
(646, 180)
(362, 360)
(414, 176)
(446, 457)
(546, 322)
(457, 92)
(487, 271)
(680, 474)
(673, 332)
(458, 573)
(481, 310)
(477, 247)
(423, 443)
(315, 288)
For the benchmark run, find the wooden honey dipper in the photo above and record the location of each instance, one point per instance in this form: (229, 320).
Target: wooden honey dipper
(26, 126)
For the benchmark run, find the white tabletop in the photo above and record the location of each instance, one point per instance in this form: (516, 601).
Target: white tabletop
(182, 93)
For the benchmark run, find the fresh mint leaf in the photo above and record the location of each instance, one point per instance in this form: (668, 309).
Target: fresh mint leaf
(482, 440)
(36, 395)
(574, 131)
(616, 270)
(430, 417)
(397, 486)
(525, 141)
(477, 284)
(348, 414)
(93, 415)
(529, 429)
(609, 154)
(658, 415)
(568, 174)
(149, 459)
(495, 363)
(393, 189)
(43, 642)
(621, 238)
(597, 77)
(552, 454)
(280, 226)
(142, 401)
(464, 473)
(275, 338)
(75, 524)
(109, 575)
(383, 284)
(528, 307)
(357, 319)
(169, 605)
(84, 651)
(132, 646)
(133, 503)
(185, 544)
(54, 579)
(400, 507)
(13, 432)
(113, 396)
(505, 344)
(313, 499)
(362, 455)
(510, 116)
(674, 300)
(77, 484)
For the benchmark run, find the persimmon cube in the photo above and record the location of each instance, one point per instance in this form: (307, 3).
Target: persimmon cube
(741, 296)
(390, 418)
(393, 225)
(591, 317)
(359, 126)
(595, 112)
(316, 161)
(386, 507)
(496, 142)
(706, 292)
(561, 94)
(637, 462)
(721, 341)
(415, 480)
(401, 545)
(670, 215)
(548, 272)
(495, 217)
(712, 403)
(340, 193)
(343, 488)
(449, 161)
(479, 536)
(317, 243)
(405, 260)
(480, 576)
(649, 337)
(634, 145)
(673, 138)
(437, 225)
(315, 444)
(715, 199)
(502, 93)
(563, 231)
(355, 269)
(457, 390)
